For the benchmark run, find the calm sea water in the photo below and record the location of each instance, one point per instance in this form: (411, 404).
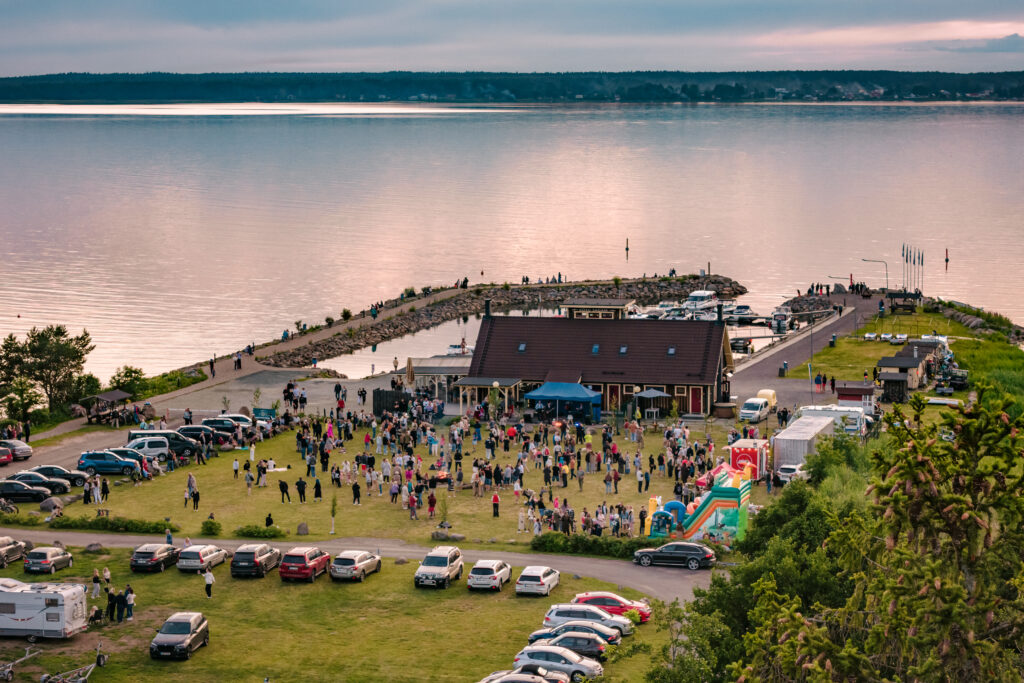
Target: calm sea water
(173, 233)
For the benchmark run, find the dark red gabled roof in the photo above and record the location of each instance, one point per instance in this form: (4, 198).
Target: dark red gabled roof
(564, 347)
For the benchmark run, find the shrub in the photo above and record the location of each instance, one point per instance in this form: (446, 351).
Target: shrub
(256, 531)
(633, 615)
(117, 524)
(20, 520)
(329, 320)
(585, 544)
(409, 292)
(346, 314)
(210, 528)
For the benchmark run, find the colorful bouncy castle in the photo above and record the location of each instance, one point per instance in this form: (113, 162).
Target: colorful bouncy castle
(719, 514)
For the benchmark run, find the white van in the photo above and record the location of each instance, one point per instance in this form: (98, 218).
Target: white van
(755, 409)
(42, 610)
(851, 419)
(152, 447)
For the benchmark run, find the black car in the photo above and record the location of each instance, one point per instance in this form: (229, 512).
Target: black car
(583, 644)
(54, 486)
(154, 557)
(75, 477)
(197, 431)
(10, 550)
(47, 560)
(692, 555)
(221, 424)
(254, 559)
(182, 634)
(20, 492)
(608, 635)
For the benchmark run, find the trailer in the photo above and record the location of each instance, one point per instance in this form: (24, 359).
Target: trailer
(792, 444)
(42, 610)
(752, 452)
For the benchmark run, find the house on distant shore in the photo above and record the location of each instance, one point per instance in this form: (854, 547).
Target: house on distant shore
(689, 360)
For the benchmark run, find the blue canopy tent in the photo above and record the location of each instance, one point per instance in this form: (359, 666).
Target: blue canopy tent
(567, 392)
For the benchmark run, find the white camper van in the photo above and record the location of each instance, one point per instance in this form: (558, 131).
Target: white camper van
(849, 418)
(42, 610)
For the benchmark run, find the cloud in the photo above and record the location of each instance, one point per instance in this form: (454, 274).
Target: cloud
(1011, 43)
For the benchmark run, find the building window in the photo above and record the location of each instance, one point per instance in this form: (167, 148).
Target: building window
(53, 616)
(52, 602)
(671, 351)
(595, 348)
(6, 608)
(522, 347)
(623, 349)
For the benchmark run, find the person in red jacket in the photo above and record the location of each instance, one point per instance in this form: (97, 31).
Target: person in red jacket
(494, 503)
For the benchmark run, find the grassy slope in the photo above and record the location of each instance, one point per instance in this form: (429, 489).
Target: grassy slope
(380, 630)
(377, 516)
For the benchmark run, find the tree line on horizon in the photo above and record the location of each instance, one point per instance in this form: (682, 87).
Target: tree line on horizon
(635, 86)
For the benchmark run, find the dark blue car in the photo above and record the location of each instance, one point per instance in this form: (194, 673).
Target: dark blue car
(105, 462)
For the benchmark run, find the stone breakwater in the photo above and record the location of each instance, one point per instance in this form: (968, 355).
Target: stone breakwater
(466, 302)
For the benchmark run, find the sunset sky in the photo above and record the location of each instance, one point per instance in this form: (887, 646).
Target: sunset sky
(48, 36)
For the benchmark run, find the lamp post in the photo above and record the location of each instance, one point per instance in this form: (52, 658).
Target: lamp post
(876, 260)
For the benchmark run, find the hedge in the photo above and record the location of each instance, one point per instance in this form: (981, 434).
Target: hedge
(256, 531)
(210, 528)
(20, 520)
(119, 524)
(585, 544)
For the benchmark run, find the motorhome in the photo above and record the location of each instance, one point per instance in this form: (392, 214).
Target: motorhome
(852, 420)
(42, 610)
(701, 300)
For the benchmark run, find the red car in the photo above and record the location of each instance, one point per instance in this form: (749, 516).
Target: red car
(613, 604)
(304, 562)
(6, 456)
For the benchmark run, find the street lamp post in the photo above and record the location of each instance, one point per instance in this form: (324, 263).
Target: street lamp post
(876, 260)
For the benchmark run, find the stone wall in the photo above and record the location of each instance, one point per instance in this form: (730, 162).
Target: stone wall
(471, 302)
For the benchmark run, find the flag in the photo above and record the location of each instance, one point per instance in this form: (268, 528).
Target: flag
(903, 253)
(922, 257)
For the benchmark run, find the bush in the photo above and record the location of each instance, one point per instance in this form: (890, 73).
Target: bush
(20, 520)
(346, 314)
(210, 528)
(585, 544)
(117, 524)
(329, 320)
(256, 531)
(633, 615)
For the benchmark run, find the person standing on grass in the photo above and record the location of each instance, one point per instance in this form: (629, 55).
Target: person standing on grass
(234, 468)
(283, 485)
(210, 580)
(111, 603)
(96, 580)
(106, 575)
(300, 486)
(195, 499)
(121, 603)
(355, 492)
(639, 480)
(431, 502)
(104, 490)
(248, 482)
(129, 599)
(495, 500)
(522, 522)
(318, 492)
(412, 508)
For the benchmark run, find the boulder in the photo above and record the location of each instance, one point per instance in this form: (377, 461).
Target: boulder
(457, 537)
(401, 560)
(576, 576)
(72, 499)
(58, 544)
(492, 540)
(303, 529)
(33, 513)
(95, 548)
(29, 545)
(439, 536)
(50, 504)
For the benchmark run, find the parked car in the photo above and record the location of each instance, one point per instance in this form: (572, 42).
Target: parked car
(440, 567)
(10, 551)
(19, 449)
(20, 492)
(559, 614)
(692, 555)
(105, 462)
(304, 562)
(6, 456)
(200, 557)
(528, 673)
(196, 433)
(754, 410)
(354, 564)
(75, 477)
(47, 560)
(254, 559)
(151, 447)
(134, 455)
(489, 574)
(583, 644)
(788, 473)
(224, 425)
(537, 580)
(182, 634)
(246, 421)
(773, 400)
(613, 604)
(560, 659)
(180, 444)
(154, 557)
(609, 635)
(54, 486)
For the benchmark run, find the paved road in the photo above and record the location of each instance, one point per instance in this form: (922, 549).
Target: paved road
(663, 583)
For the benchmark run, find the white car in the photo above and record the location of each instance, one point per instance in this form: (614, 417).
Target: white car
(199, 557)
(561, 613)
(246, 421)
(151, 447)
(788, 473)
(886, 337)
(537, 580)
(489, 574)
(562, 659)
(900, 338)
(755, 409)
(354, 564)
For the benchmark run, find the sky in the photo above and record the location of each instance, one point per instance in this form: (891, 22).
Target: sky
(48, 36)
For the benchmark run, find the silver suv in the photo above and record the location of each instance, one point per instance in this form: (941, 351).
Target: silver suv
(440, 567)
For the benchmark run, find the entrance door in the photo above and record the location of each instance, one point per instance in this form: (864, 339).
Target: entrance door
(696, 403)
(613, 396)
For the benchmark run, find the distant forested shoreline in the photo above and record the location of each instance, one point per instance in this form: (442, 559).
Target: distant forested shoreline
(635, 86)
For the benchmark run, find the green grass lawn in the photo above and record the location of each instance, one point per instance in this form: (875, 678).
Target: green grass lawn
(226, 497)
(379, 630)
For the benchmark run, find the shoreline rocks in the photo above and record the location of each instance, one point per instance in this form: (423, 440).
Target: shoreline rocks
(467, 302)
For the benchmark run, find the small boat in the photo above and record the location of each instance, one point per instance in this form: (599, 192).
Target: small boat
(782, 320)
(700, 300)
(740, 314)
(460, 349)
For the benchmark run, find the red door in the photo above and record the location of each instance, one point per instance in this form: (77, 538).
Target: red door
(696, 393)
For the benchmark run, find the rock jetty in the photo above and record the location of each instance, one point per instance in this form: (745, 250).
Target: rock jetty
(466, 302)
